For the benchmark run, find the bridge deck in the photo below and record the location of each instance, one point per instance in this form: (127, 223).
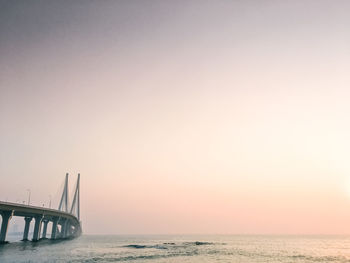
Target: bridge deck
(28, 210)
(64, 224)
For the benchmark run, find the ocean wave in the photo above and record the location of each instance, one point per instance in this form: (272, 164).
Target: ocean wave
(281, 257)
(135, 246)
(199, 243)
(321, 258)
(165, 244)
(145, 246)
(138, 257)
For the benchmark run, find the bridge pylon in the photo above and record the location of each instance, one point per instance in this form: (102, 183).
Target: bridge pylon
(76, 199)
(63, 206)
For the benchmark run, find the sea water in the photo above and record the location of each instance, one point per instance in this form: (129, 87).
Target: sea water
(174, 249)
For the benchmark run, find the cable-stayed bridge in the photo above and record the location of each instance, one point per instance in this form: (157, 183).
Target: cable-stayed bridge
(65, 220)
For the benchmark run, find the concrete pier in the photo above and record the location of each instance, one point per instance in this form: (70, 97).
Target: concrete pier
(26, 228)
(6, 216)
(64, 229)
(44, 222)
(37, 227)
(54, 228)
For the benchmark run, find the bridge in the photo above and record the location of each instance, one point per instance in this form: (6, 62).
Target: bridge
(65, 220)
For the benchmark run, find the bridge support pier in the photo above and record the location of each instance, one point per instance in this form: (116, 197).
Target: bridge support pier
(68, 230)
(54, 228)
(64, 229)
(45, 222)
(6, 216)
(26, 228)
(37, 227)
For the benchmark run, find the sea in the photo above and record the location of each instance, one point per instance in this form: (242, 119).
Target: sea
(181, 248)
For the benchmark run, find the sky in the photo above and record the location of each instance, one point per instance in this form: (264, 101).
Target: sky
(182, 117)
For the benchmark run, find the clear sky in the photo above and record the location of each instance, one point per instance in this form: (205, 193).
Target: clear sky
(181, 116)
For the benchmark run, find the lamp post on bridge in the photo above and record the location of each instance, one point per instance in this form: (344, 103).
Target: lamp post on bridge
(29, 192)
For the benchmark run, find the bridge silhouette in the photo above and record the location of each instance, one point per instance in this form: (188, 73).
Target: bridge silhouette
(65, 220)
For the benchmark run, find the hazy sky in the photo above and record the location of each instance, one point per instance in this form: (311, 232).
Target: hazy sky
(181, 116)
